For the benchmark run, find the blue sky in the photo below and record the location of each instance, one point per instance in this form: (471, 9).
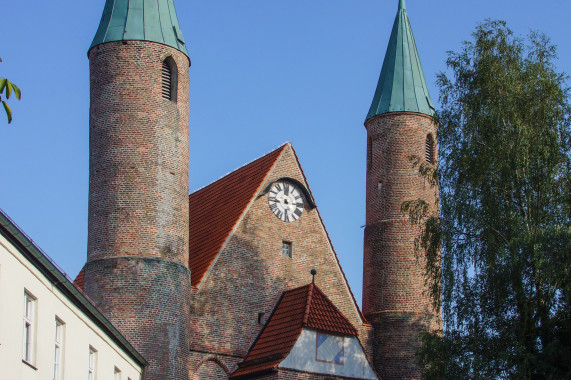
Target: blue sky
(263, 72)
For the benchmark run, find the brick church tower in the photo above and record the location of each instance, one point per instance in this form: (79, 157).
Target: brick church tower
(399, 125)
(137, 261)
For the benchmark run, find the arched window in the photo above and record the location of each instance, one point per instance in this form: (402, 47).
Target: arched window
(429, 149)
(170, 76)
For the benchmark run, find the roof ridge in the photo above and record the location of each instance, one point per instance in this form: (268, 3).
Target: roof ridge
(240, 167)
(308, 303)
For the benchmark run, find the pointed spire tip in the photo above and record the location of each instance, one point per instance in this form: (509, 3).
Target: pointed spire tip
(402, 5)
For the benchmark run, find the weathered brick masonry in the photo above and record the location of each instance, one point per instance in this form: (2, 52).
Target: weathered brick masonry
(251, 274)
(137, 270)
(394, 298)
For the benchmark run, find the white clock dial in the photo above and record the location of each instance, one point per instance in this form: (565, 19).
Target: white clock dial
(285, 201)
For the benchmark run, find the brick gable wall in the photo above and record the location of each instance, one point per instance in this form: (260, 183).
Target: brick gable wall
(250, 275)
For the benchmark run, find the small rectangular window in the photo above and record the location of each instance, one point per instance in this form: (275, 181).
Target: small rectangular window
(58, 349)
(287, 250)
(92, 363)
(117, 374)
(29, 316)
(330, 348)
(261, 318)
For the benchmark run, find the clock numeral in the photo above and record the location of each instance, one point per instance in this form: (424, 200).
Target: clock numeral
(273, 199)
(274, 207)
(297, 212)
(286, 218)
(286, 189)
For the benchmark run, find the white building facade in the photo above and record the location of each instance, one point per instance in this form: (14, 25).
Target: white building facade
(48, 328)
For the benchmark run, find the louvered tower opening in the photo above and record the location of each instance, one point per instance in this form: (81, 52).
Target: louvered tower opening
(429, 149)
(167, 81)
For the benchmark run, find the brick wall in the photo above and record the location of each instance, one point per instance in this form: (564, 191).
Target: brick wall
(250, 275)
(393, 284)
(137, 269)
(288, 374)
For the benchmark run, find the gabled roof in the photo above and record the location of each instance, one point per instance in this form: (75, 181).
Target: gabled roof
(304, 307)
(401, 86)
(216, 209)
(140, 20)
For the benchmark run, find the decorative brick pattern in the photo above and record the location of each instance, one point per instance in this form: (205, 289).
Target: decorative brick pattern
(137, 269)
(250, 274)
(394, 300)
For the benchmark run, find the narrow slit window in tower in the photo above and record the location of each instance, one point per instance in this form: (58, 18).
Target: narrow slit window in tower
(429, 149)
(369, 153)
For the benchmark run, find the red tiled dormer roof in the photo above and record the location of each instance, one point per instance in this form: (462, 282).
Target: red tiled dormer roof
(304, 307)
(216, 209)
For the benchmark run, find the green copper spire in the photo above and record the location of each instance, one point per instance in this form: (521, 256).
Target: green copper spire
(401, 86)
(140, 20)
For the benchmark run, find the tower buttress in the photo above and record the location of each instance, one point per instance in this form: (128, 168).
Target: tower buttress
(399, 125)
(137, 260)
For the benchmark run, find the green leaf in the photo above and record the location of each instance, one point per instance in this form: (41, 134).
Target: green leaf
(8, 89)
(8, 111)
(2, 84)
(17, 91)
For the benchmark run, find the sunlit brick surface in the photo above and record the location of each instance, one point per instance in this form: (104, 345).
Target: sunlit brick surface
(137, 269)
(250, 274)
(393, 285)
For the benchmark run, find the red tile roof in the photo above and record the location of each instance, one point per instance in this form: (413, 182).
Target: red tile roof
(217, 208)
(304, 307)
(80, 279)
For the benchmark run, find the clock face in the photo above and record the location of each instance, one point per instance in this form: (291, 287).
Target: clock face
(285, 201)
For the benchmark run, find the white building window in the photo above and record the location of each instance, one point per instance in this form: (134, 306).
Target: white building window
(58, 349)
(92, 363)
(330, 349)
(287, 249)
(117, 374)
(29, 314)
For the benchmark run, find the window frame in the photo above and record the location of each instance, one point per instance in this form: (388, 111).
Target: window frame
(429, 154)
(29, 326)
(58, 349)
(287, 249)
(317, 334)
(116, 373)
(92, 364)
(169, 63)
